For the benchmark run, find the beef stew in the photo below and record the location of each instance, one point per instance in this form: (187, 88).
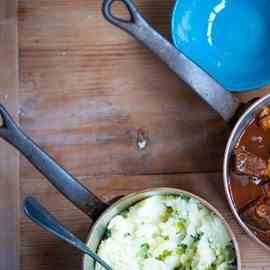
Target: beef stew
(250, 175)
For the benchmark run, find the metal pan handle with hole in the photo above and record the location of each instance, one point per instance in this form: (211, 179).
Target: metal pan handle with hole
(204, 85)
(64, 182)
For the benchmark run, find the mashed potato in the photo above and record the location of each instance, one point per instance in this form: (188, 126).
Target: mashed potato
(167, 233)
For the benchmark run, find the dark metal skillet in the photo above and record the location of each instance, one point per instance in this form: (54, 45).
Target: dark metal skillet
(227, 105)
(100, 212)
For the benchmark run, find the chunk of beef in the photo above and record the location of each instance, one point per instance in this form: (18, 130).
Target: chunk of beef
(265, 122)
(248, 163)
(265, 112)
(263, 211)
(264, 118)
(257, 215)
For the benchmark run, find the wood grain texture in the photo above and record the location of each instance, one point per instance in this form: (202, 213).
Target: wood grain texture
(87, 92)
(9, 161)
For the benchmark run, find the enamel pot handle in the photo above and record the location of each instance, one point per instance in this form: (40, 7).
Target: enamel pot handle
(64, 182)
(205, 86)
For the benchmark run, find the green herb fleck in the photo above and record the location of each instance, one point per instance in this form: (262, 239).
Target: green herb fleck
(181, 225)
(184, 197)
(212, 267)
(166, 253)
(188, 263)
(124, 213)
(144, 251)
(229, 253)
(165, 237)
(181, 249)
(179, 267)
(108, 233)
(197, 237)
(166, 214)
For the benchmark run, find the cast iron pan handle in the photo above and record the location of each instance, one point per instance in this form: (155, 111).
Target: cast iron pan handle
(205, 86)
(127, 25)
(74, 191)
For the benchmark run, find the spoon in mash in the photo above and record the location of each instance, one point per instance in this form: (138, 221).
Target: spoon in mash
(39, 215)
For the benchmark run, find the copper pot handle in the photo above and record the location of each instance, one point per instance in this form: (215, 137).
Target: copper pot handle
(205, 86)
(64, 182)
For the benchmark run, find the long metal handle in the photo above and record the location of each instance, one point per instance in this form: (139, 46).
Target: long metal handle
(71, 188)
(204, 85)
(39, 215)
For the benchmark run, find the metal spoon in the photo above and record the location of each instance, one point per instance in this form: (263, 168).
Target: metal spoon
(39, 215)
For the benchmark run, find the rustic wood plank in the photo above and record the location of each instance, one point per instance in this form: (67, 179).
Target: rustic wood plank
(9, 161)
(42, 251)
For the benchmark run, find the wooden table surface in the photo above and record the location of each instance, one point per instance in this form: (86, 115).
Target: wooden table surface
(9, 158)
(86, 92)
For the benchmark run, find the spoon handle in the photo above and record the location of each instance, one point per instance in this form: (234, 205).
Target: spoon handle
(39, 215)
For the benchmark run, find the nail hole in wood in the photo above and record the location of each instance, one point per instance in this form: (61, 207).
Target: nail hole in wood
(142, 140)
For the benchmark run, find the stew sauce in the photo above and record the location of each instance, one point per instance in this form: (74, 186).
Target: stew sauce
(250, 176)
